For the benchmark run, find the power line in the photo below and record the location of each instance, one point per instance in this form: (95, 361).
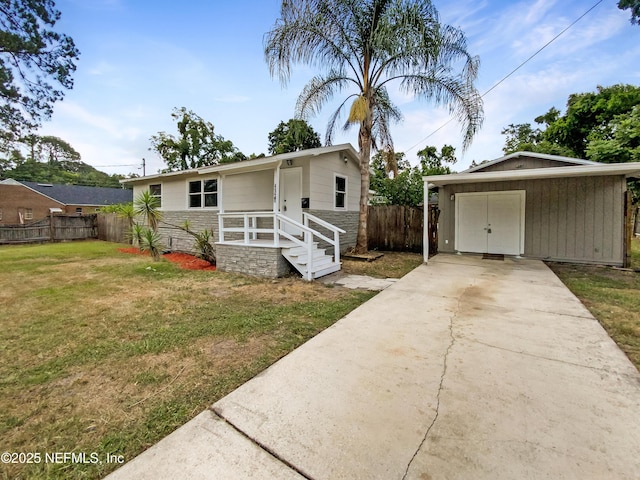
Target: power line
(513, 71)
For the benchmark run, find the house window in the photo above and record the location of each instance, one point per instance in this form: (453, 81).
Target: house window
(203, 193)
(341, 192)
(156, 192)
(0, 214)
(28, 214)
(79, 210)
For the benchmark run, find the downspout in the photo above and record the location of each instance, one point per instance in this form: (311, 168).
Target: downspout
(220, 208)
(276, 203)
(425, 239)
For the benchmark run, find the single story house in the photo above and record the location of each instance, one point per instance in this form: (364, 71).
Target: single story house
(299, 209)
(22, 202)
(538, 206)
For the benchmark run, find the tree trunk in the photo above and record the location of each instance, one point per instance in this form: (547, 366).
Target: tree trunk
(364, 141)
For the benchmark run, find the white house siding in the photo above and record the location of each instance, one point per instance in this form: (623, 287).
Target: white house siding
(174, 191)
(567, 219)
(322, 182)
(248, 191)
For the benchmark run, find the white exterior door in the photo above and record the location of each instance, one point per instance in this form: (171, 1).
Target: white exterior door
(291, 197)
(490, 222)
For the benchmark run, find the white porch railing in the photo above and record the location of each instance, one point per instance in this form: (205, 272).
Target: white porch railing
(250, 231)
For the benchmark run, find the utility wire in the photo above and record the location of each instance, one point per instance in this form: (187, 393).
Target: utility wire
(512, 71)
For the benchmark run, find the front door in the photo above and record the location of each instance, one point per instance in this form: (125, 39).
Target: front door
(291, 197)
(490, 222)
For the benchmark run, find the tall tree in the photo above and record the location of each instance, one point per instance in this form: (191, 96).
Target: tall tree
(634, 6)
(293, 136)
(365, 46)
(196, 145)
(36, 63)
(590, 112)
(589, 116)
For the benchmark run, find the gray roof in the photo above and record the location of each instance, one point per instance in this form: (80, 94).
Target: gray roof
(81, 195)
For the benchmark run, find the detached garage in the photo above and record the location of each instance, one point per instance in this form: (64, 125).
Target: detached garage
(538, 206)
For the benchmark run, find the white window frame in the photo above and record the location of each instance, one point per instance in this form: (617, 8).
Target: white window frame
(159, 197)
(336, 191)
(28, 213)
(203, 194)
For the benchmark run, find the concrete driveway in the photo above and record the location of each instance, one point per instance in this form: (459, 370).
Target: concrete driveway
(464, 369)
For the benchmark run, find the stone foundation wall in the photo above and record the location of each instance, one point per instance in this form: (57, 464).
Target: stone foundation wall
(347, 221)
(257, 261)
(178, 240)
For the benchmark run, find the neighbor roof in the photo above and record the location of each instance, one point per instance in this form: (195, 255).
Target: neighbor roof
(544, 156)
(78, 194)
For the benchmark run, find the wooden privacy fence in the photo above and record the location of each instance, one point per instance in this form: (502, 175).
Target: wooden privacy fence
(113, 228)
(53, 228)
(401, 228)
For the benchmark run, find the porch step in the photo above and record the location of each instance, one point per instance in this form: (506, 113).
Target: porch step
(322, 264)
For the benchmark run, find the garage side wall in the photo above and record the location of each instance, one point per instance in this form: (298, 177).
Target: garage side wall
(575, 219)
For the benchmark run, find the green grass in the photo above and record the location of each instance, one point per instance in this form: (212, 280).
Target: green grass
(107, 352)
(613, 297)
(390, 265)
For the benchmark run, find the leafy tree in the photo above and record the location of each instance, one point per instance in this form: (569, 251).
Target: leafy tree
(621, 143)
(524, 138)
(433, 162)
(49, 149)
(365, 46)
(634, 6)
(589, 117)
(196, 145)
(36, 63)
(406, 187)
(588, 113)
(293, 136)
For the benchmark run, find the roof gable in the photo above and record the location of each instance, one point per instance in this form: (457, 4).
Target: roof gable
(526, 160)
(78, 194)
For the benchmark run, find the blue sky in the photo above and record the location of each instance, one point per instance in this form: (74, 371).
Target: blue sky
(140, 59)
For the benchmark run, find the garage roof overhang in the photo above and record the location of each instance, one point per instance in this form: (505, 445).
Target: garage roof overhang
(631, 169)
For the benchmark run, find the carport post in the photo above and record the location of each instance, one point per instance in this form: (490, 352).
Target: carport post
(425, 239)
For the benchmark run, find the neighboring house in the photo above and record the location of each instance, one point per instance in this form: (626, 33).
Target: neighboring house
(538, 206)
(264, 210)
(22, 202)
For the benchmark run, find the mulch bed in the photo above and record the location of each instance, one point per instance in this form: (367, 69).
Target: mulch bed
(183, 260)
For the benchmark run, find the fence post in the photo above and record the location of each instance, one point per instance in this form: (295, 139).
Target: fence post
(52, 232)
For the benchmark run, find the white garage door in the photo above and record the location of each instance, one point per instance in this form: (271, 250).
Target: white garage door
(490, 222)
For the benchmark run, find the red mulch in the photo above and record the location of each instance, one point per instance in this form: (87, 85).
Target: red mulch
(183, 260)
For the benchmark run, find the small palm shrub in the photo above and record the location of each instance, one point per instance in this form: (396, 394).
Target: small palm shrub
(150, 242)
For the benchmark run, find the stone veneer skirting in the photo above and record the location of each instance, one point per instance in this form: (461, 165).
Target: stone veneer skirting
(178, 240)
(259, 261)
(347, 221)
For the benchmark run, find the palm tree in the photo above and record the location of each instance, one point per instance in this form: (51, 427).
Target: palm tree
(365, 45)
(147, 206)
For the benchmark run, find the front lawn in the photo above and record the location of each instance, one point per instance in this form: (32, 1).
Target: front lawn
(613, 297)
(106, 353)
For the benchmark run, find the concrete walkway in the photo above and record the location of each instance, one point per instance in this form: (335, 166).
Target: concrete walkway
(464, 369)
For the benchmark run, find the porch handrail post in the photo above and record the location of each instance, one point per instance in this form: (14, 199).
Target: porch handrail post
(246, 228)
(276, 230)
(309, 239)
(221, 227)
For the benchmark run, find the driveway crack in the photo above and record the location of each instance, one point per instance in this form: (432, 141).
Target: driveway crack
(452, 340)
(259, 444)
